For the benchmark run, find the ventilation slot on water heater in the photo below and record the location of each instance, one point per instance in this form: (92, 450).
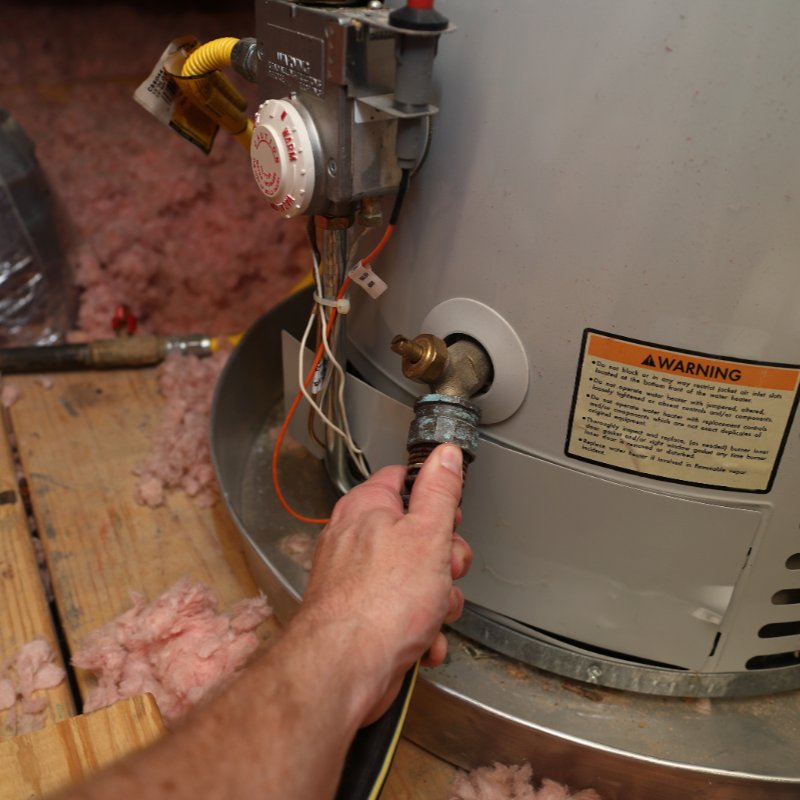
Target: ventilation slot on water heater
(774, 661)
(778, 630)
(775, 630)
(786, 597)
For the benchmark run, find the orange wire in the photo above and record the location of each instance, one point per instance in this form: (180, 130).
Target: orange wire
(296, 402)
(379, 247)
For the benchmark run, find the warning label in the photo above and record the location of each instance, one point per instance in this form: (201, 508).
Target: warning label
(681, 416)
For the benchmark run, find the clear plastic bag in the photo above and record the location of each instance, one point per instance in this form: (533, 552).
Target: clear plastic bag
(35, 287)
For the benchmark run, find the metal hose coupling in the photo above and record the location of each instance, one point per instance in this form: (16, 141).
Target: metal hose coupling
(440, 419)
(454, 373)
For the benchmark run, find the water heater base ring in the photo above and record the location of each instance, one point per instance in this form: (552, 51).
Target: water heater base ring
(512, 639)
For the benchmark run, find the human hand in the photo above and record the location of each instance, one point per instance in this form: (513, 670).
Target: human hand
(388, 575)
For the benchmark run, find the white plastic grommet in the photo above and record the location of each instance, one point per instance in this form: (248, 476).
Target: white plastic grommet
(282, 158)
(463, 315)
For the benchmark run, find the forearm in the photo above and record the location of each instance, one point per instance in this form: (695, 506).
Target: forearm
(379, 590)
(281, 730)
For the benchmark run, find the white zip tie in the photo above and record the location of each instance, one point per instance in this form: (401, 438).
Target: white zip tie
(342, 305)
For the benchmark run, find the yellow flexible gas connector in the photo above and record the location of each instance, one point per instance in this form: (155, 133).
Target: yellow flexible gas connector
(213, 95)
(212, 55)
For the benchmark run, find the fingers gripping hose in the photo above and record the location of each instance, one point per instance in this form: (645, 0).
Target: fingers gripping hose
(215, 97)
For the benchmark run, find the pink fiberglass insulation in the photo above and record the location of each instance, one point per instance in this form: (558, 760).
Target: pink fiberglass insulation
(503, 782)
(31, 669)
(186, 240)
(178, 647)
(180, 455)
(8, 694)
(9, 394)
(299, 547)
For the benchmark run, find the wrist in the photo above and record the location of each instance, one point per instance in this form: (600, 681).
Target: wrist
(345, 654)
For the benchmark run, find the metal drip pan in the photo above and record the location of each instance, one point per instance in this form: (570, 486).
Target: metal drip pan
(482, 706)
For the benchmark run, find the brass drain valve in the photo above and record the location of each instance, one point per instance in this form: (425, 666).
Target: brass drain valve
(454, 374)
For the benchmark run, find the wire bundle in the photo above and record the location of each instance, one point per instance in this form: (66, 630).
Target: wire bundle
(329, 382)
(325, 313)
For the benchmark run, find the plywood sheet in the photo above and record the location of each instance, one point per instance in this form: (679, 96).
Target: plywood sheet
(38, 763)
(79, 442)
(24, 612)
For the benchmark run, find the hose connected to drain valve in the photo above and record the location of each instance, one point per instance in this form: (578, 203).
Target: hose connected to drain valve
(454, 373)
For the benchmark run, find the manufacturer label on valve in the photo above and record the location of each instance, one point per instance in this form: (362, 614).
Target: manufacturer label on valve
(160, 96)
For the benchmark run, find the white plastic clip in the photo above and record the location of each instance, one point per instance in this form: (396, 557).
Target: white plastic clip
(342, 305)
(363, 275)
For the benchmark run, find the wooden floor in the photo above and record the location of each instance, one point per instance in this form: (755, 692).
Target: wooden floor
(78, 443)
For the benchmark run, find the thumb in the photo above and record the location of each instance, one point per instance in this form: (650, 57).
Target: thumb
(437, 489)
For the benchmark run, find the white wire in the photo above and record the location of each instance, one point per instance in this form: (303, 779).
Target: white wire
(326, 378)
(355, 452)
(301, 380)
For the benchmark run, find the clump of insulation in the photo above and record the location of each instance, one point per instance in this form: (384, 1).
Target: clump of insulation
(299, 547)
(9, 394)
(503, 782)
(31, 669)
(178, 647)
(180, 455)
(186, 240)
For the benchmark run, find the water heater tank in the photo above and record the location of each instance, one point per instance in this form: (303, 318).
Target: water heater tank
(611, 207)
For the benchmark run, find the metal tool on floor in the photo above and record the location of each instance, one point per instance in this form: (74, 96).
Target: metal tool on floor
(126, 351)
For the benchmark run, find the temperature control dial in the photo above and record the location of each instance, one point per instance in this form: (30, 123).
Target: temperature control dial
(282, 157)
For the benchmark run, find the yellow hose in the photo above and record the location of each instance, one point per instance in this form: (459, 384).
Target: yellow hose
(212, 55)
(218, 99)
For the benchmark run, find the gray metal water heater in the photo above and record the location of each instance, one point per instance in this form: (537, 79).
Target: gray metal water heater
(609, 206)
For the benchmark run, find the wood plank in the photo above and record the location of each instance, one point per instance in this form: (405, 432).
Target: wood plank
(24, 613)
(38, 763)
(417, 775)
(79, 442)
